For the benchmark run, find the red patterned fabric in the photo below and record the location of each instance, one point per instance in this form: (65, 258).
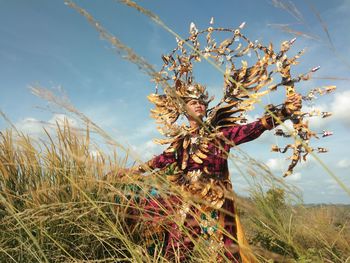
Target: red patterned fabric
(216, 164)
(216, 161)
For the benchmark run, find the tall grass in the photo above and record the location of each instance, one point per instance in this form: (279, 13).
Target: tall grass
(300, 233)
(59, 203)
(63, 201)
(56, 203)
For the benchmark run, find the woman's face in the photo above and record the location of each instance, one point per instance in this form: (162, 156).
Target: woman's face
(196, 108)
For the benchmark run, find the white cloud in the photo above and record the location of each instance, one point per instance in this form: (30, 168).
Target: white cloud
(344, 163)
(35, 127)
(30, 126)
(334, 187)
(280, 165)
(287, 127)
(317, 122)
(275, 164)
(241, 188)
(61, 119)
(147, 150)
(341, 107)
(251, 118)
(145, 131)
(294, 177)
(333, 184)
(105, 115)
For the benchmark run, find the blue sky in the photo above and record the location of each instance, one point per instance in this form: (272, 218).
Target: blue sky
(47, 43)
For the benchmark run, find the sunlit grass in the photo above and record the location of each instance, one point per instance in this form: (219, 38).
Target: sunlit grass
(58, 205)
(59, 201)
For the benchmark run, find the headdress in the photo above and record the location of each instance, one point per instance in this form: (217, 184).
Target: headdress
(193, 91)
(245, 81)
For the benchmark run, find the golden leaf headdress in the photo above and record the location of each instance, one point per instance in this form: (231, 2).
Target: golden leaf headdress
(245, 82)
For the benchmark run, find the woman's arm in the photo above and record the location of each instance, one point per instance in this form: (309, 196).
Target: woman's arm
(159, 161)
(244, 133)
(238, 134)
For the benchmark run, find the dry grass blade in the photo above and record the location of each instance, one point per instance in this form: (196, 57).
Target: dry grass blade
(122, 49)
(323, 24)
(63, 103)
(289, 7)
(286, 28)
(328, 35)
(332, 78)
(8, 121)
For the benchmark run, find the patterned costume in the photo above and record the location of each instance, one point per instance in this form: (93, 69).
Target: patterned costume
(197, 157)
(196, 160)
(209, 182)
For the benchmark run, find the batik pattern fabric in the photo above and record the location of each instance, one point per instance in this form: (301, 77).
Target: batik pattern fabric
(209, 182)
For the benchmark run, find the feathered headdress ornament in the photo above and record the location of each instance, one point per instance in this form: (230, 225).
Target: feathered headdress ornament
(261, 70)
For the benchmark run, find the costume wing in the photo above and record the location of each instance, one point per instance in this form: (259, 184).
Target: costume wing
(221, 115)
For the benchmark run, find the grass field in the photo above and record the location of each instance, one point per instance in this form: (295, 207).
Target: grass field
(63, 199)
(58, 205)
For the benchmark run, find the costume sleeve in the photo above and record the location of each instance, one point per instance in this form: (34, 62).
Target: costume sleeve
(162, 160)
(244, 133)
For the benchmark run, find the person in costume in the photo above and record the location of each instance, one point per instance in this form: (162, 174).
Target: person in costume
(200, 156)
(195, 162)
